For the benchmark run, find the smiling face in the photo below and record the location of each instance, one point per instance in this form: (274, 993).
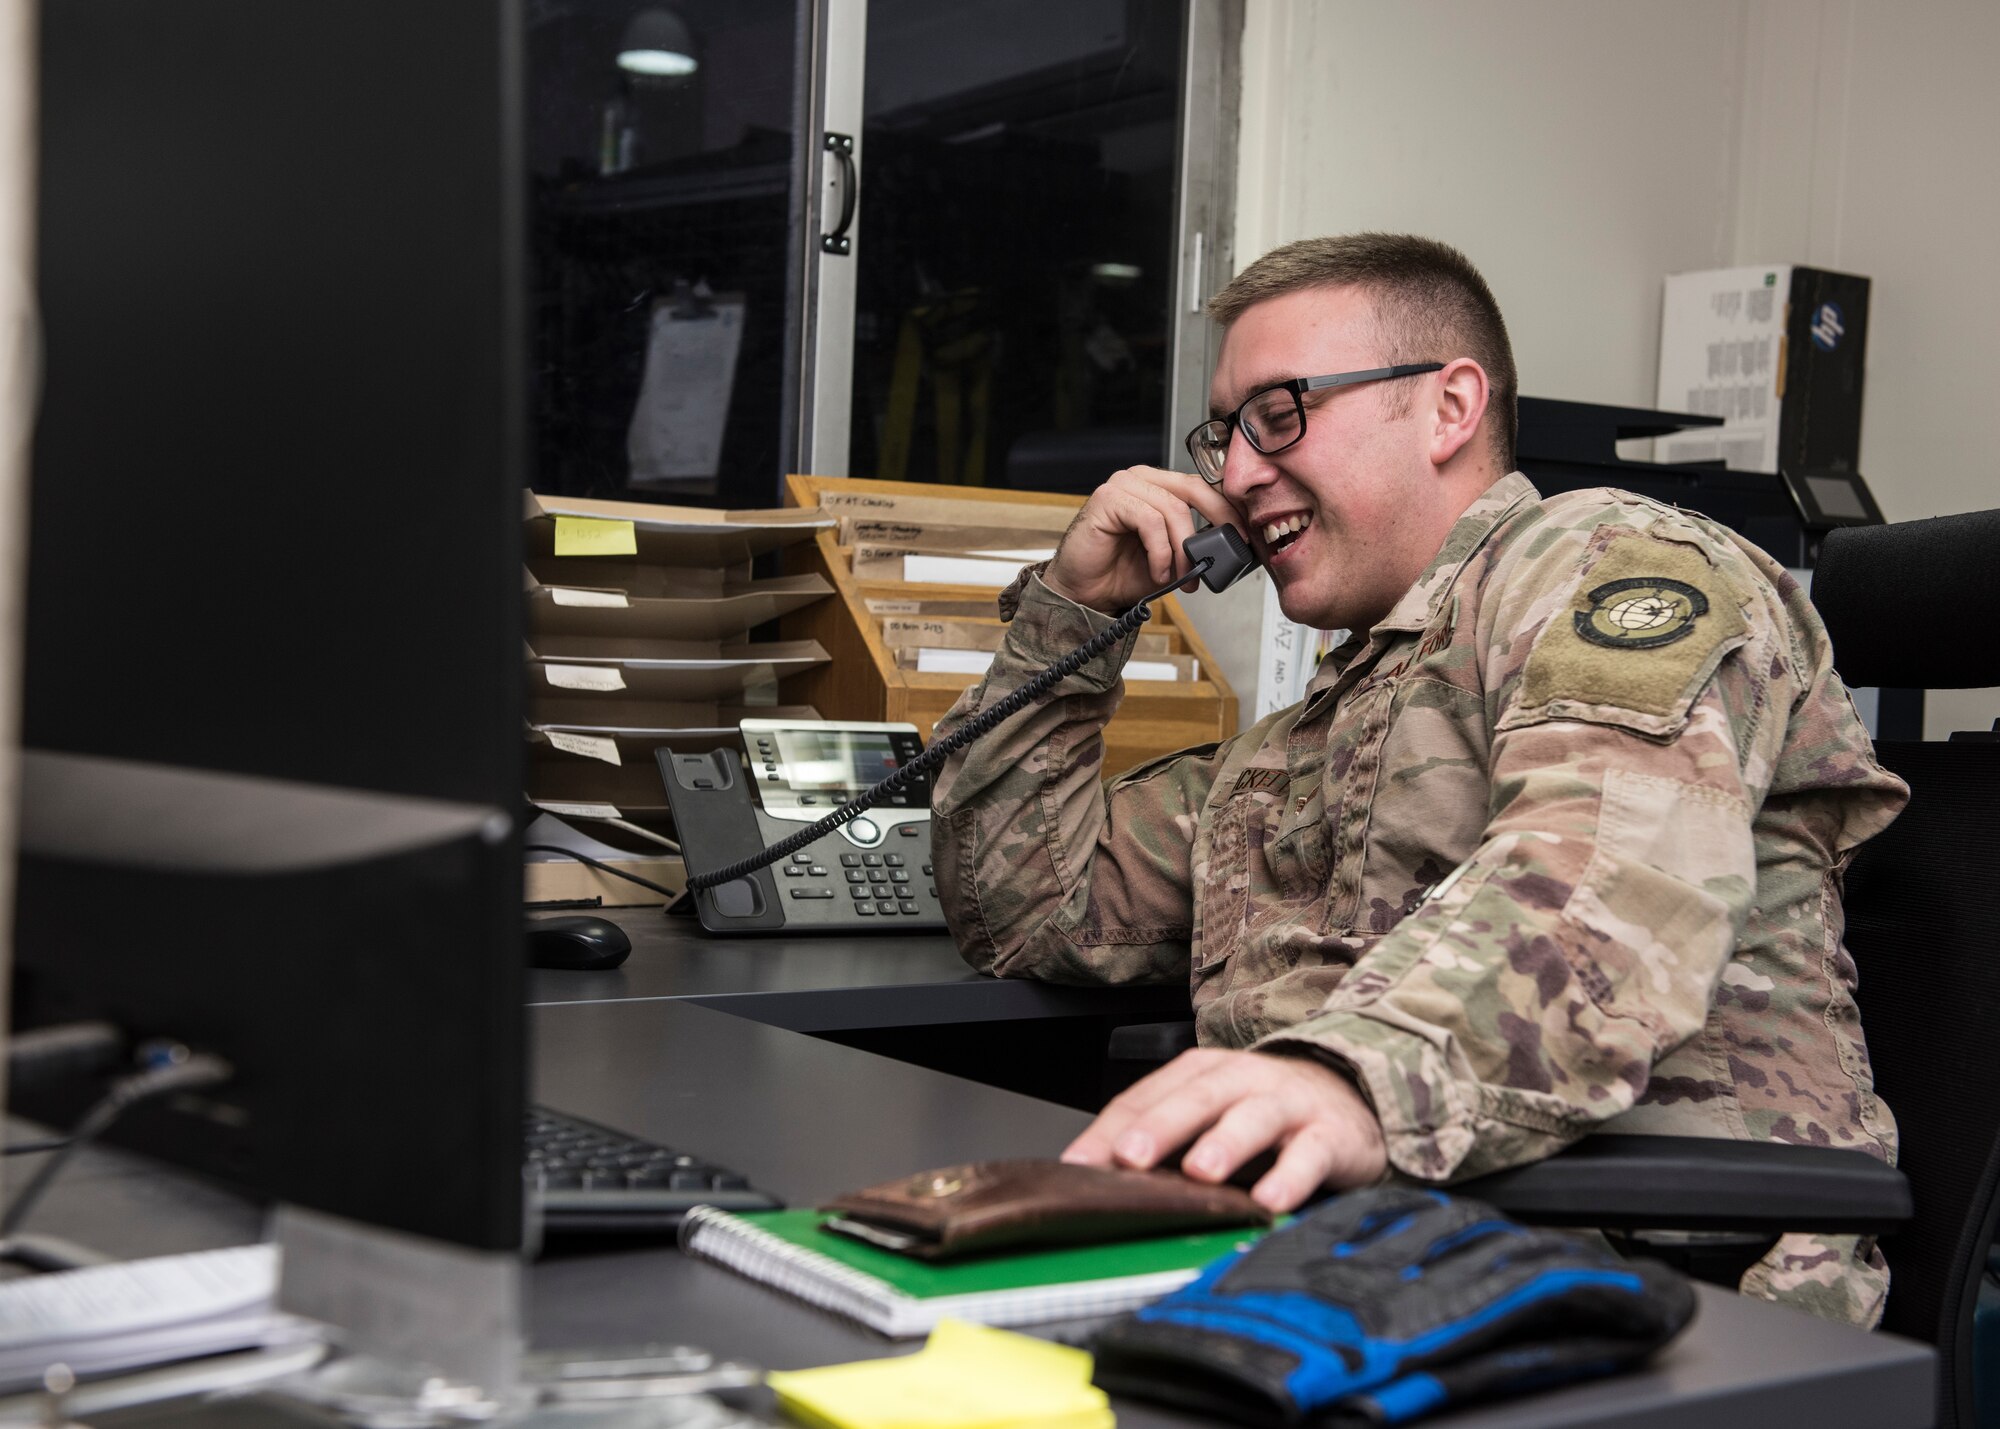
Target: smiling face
(1347, 517)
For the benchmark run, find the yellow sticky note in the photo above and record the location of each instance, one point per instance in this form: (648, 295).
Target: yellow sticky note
(586, 536)
(965, 1377)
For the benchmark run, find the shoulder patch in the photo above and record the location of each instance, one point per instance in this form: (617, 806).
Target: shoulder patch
(1642, 633)
(1640, 613)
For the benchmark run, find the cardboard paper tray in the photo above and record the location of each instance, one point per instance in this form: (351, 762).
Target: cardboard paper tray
(720, 616)
(551, 879)
(677, 535)
(632, 785)
(655, 671)
(864, 681)
(615, 713)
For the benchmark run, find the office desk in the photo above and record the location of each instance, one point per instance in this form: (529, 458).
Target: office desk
(903, 995)
(807, 1119)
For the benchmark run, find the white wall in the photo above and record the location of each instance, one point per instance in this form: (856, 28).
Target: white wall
(1869, 140)
(1575, 149)
(1580, 149)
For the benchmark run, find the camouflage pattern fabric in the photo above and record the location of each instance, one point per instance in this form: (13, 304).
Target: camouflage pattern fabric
(1556, 847)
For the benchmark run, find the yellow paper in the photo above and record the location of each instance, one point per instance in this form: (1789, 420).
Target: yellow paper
(584, 536)
(965, 1377)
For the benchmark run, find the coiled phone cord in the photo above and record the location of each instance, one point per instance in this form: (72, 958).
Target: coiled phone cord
(981, 724)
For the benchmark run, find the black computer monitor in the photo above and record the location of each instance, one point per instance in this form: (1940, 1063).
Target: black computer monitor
(276, 509)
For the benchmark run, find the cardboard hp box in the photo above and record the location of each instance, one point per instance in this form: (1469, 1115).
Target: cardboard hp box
(1778, 352)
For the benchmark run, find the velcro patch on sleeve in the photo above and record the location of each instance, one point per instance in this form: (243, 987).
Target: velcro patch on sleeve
(1640, 636)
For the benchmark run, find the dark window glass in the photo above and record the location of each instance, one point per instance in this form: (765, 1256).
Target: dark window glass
(662, 151)
(1016, 245)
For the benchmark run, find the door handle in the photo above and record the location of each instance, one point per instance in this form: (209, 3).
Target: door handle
(841, 146)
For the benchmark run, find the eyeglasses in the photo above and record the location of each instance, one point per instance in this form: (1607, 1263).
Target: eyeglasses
(1275, 417)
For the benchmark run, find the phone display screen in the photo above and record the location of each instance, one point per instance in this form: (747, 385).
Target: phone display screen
(834, 760)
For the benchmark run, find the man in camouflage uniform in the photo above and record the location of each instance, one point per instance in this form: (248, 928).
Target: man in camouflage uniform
(1553, 844)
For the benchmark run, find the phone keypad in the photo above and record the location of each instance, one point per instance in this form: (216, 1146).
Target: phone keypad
(879, 885)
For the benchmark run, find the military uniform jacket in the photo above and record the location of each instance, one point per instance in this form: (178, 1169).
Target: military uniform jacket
(1554, 848)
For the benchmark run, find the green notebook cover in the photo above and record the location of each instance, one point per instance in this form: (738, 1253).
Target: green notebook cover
(1062, 1265)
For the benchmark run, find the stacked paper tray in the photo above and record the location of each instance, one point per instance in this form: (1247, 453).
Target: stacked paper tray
(725, 608)
(916, 570)
(639, 638)
(575, 761)
(580, 665)
(670, 537)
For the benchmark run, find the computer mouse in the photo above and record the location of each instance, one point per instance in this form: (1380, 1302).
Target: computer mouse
(581, 944)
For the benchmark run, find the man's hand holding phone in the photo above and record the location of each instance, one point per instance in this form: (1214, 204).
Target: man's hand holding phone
(1126, 542)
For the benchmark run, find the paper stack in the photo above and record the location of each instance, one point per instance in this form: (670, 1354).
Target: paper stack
(107, 1318)
(916, 570)
(953, 541)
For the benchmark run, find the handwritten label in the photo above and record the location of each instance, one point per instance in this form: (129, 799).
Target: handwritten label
(585, 677)
(586, 536)
(590, 745)
(580, 811)
(607, 599)
(874, 531)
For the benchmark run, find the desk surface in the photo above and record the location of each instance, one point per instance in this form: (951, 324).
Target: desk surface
(808, 1119)
(826, 984)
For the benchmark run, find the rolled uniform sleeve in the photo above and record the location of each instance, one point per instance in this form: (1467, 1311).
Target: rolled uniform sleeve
(1042, 870)
(1526, 1000)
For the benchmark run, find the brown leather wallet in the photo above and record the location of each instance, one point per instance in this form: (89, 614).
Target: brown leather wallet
(996, 1205)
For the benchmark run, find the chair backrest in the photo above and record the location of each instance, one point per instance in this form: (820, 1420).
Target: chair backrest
(1923, 924)
(1904, 606)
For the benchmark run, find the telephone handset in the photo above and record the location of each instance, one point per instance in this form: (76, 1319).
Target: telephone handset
(802, 762)
(1226, 550)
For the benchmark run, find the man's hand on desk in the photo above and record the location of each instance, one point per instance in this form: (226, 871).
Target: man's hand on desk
(1232, 1106)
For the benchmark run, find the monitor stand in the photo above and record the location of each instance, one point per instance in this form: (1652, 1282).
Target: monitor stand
(405, 1301)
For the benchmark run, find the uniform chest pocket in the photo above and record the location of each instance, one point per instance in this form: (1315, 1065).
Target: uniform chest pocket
(1266, 867)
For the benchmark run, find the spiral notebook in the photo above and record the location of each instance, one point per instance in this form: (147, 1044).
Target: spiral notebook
(903, 1298)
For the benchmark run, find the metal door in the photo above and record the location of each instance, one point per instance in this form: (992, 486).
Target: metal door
(681, 178)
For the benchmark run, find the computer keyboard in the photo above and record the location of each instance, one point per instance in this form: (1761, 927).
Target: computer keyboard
(585, 1177)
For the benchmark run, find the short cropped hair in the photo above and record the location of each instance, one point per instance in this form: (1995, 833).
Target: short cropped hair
(1430, 302)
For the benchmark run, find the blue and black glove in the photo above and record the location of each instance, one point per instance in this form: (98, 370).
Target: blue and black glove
(1384, 1305)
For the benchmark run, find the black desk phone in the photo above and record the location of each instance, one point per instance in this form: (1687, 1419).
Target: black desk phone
(849, 866)
(870, 875)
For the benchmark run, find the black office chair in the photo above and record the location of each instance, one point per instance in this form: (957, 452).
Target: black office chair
(1906, 607)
